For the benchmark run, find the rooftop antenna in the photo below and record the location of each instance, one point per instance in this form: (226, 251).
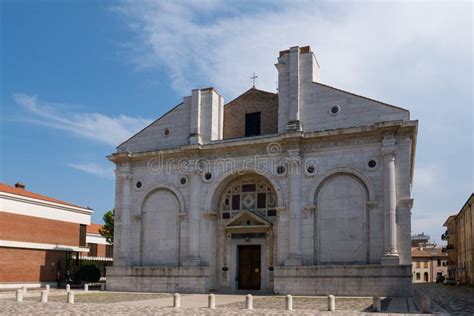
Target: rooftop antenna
(253, 79)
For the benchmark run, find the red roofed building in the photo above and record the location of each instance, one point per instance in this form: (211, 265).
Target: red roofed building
(100, 251)
(428, 263)
(39, 237)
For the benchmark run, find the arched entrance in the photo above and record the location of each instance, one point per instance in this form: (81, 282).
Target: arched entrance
(246, 224)
(341, 225)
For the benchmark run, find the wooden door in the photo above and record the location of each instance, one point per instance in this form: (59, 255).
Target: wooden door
(249, 273)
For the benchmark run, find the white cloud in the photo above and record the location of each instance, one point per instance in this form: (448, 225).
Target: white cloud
(95, 126)
(94, 169)
(220, 43)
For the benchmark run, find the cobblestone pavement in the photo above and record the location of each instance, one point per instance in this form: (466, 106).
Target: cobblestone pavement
(101, 303)
(454, 300)
(101, 297)
(309, 303)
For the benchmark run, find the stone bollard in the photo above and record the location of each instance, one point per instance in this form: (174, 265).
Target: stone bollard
(249, 301)
(212, 301)
(24, 289)
(289, 302)
(331, 303)
(44, 296)
(68, 287)
(86, 287)
(70, 297)
(19, 295)
(376, 306)
(177, 300)
(425, 303)
(47, 287)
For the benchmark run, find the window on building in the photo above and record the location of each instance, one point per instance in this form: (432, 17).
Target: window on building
(418, 275)
(439, 262)
(109, 251)
(252, 124)
(418, 264)
(425, 277)
(92, 250)
(82, 235)
(425, 264)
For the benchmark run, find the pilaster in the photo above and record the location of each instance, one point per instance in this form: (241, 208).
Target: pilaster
(294, 171)
(389, 152)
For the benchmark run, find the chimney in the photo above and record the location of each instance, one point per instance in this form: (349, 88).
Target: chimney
(20, 185)
(297, 70)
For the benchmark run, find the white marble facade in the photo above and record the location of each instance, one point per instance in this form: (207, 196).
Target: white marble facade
(321, 207)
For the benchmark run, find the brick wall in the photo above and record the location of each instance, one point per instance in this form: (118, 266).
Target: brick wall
(39, 230)
(27, 265)
(251, 101)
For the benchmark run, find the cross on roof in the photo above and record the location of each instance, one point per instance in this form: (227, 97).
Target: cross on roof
(253, 79)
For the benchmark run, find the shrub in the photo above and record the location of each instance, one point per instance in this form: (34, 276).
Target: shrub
(89, 273)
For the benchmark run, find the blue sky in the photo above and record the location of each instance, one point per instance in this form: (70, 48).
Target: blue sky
(77, 77)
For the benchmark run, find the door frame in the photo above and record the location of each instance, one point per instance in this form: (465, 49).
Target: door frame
(235, 261)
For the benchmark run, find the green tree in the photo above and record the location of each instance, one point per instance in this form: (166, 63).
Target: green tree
(108, 229)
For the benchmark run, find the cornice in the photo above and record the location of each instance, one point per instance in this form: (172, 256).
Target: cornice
(284, 138)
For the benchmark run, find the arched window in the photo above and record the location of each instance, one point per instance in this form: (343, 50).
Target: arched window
(250, 193)
(425, 276)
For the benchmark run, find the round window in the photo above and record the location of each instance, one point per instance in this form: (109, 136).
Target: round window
(310, 169)
(139, 184)
(281, 170)
(183, 180)
(208, 176)
(372, 163)
(166, 132)
(334, 109)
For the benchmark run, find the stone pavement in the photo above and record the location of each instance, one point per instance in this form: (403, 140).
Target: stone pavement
(119, 303)
(454, 300)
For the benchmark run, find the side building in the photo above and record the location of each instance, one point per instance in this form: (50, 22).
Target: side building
(100, 251)
(39, 237)
(460, 248)
(429, 264)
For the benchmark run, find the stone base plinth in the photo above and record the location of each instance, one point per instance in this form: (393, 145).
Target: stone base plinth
(358, 280)
(158, 279)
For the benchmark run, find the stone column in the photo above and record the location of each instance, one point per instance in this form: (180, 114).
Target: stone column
(389, 151)
(193, 258)
(294, 170)
(122, 215)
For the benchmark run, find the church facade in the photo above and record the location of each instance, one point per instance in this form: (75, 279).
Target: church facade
(304, 192)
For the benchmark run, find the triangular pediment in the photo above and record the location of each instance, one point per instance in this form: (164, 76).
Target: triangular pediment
(248, 219)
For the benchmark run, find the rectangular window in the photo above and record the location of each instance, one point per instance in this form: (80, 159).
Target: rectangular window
(82, 235)
(236, 202)
(418, 275)
(252, 124)
(418, 264)
(92, 250)
(248, 188)
(109, 251)
(426, 264)
(226, 215)
(271, 213)
(261, 200)
(439, 262)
